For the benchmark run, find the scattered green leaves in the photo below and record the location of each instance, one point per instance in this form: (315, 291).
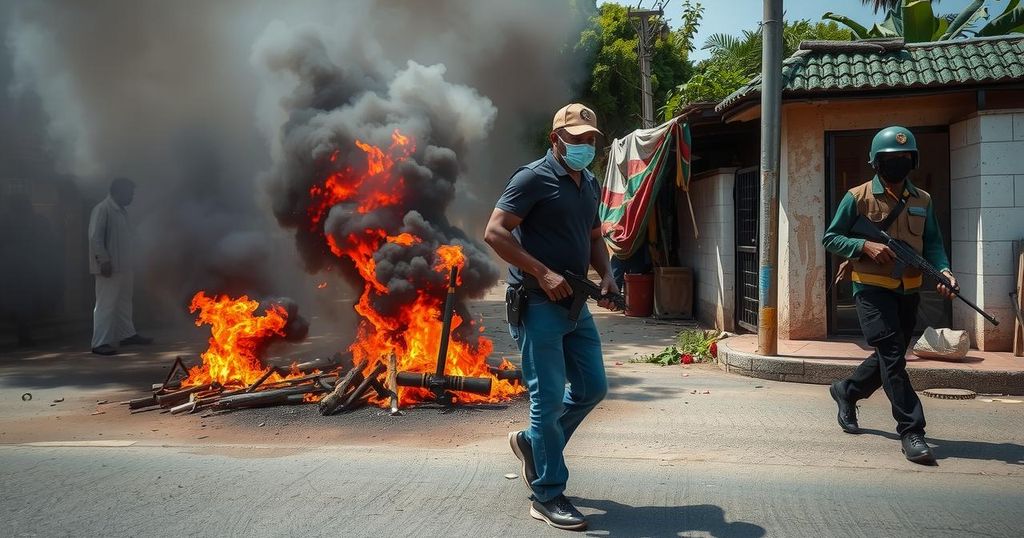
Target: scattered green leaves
(692, 345)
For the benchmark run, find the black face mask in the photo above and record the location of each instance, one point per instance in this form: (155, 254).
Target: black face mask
(895, 170)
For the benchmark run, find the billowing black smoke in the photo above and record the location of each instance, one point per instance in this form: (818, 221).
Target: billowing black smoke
(175, 96)
(357, 97)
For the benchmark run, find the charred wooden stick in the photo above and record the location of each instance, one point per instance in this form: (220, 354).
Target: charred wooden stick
(362, 400)
(139, 403)
(380, 389)
(378, 369)
(199, 403)
(393, 383)
(265, 397)
(290, 382)
(513, 374)
(262, 378)
(323, 364)
(333, 401)
(175, 398)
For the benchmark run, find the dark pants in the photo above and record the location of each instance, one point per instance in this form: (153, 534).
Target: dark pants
(887, 319)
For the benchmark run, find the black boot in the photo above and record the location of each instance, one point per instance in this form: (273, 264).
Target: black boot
(847, 410)
(916, 449)
(559, 513)
(524, 451)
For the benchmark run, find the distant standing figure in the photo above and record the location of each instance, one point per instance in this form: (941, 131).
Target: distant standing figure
(110, 260)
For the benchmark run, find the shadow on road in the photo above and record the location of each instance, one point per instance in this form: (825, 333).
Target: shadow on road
(1010, 453)
(617, 519)
(625, 387)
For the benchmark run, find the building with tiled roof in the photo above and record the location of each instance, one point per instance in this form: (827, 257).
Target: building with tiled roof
(964, 101)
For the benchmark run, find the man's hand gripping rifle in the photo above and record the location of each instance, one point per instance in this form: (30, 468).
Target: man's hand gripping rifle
(906, 257)
(583, 289)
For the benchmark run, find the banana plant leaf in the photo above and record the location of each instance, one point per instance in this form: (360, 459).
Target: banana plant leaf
(966, 17)
(940, 29)
(893, 22)
(1010, 21)
(859, 32)
(918, 21)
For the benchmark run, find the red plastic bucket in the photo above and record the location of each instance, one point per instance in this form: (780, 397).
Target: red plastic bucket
(639, 295)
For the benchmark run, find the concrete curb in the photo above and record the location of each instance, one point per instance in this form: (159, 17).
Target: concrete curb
(823, 372)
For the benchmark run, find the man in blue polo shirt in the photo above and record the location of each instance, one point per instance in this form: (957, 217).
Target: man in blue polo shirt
(546, 224)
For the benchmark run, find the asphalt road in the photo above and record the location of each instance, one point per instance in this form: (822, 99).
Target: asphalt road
(672, 451)
(751, 458)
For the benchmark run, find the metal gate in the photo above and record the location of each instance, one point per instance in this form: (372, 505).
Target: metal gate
(747, 190)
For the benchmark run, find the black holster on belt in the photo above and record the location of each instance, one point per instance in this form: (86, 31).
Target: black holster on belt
(515, 303)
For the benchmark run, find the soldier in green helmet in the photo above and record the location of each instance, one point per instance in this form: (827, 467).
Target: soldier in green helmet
(886, 301)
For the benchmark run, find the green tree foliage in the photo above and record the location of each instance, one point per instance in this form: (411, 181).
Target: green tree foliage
(916, 22)
(613, 89)
(735, 60)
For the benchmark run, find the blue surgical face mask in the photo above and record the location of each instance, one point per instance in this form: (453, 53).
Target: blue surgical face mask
(578, 156)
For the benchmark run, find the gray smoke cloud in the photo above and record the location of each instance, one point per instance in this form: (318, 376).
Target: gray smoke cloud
(331, 107)
(223, 112)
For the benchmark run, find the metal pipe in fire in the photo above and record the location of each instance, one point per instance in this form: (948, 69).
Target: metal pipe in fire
(446, 325)
(438, 383)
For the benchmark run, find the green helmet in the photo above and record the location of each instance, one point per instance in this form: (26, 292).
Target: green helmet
(893, 139)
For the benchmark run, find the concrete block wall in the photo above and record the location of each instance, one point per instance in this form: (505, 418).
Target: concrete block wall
(713, 254)
(987, 174)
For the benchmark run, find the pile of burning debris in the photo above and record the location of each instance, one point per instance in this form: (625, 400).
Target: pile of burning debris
(221, 382)
(377, 216)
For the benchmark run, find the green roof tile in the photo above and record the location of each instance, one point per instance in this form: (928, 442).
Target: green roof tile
(876, 65)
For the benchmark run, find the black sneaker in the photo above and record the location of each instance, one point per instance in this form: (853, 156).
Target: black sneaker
(105, 349)
(559, 513)
(847, 410)
(916, 449)
(523, 450)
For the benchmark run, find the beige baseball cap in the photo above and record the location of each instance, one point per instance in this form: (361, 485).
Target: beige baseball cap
(576, 119)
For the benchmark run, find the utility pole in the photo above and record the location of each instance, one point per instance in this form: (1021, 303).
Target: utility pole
(646, 32)
(771, 135)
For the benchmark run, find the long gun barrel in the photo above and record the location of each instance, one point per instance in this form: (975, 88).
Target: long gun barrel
(906, 256)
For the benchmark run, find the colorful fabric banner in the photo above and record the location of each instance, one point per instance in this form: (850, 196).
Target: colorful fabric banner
(638, 164)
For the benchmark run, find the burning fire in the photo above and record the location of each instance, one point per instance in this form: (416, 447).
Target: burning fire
(236, 341)
(413, 335)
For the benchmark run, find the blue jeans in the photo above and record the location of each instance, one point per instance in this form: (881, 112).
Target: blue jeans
(555, 351)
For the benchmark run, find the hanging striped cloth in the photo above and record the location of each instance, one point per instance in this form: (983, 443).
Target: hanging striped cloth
(638, 164)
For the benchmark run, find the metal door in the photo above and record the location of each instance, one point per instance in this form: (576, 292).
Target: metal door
(746, 193)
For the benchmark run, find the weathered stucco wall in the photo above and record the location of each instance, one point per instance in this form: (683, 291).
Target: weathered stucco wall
(712, 255)
(987, 171)
(802, 278)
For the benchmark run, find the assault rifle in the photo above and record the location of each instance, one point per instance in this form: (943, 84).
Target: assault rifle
(907, 257)
(583, 289)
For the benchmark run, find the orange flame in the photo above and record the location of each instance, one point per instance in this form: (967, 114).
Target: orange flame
(404, 239)
(237, 337)
(414, 333)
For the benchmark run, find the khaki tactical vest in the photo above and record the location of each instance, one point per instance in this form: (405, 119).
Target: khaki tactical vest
(908, 227)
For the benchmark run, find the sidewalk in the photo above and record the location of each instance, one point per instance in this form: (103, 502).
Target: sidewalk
(819, 362)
